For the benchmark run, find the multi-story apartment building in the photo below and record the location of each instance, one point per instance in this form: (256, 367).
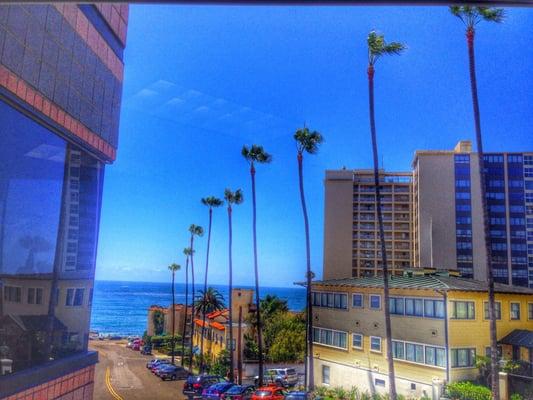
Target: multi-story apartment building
(452, 327)
(351, 235)
(61, 74)
(433, 217)
(448, 217)
(164, 315)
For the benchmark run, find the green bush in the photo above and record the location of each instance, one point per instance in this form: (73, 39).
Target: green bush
(468, 391)
(516, 396)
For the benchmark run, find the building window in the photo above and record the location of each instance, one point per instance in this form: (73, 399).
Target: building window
(463, 358)
(357, 300)
(497, 309)
(357, 341)
(530, 311)
(434, 308)
(414, 352)
(463, 310)
(515, 311)
(330, 300)
(325, 374)
(414, 307)
(74, 297)
(397, 305)
(375, 301)
(379, 382)
(398, 350)
(375, 343)
(35, 296)
(330, 337)
(12, 294)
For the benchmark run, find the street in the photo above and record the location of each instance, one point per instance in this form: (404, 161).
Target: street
(121, 374)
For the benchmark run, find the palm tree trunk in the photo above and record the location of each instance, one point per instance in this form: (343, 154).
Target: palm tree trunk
(173, 341)
(390, 361)
(230, 298)
(186, 310)
(239, 347)
(495, 383)
(256, 271)
(202, 366)
(309, 373)
(192, 304)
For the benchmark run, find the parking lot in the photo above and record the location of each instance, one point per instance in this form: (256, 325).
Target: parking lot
(122, 374)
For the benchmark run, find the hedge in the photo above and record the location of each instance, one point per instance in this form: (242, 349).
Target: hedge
(468, 391)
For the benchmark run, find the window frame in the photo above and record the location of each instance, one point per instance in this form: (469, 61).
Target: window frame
(473, 357)
(454, 310)
(511, 303)
(362, 300)
(380, 344)
(374, 295)
(5, 294)
(486, 310)
(75, 291)
(362, 341)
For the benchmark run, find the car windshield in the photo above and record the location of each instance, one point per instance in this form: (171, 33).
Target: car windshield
(193, 378)
(236, 389)
(291, 371)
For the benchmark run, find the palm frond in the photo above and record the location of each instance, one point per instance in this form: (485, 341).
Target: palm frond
(174, 267)
(196, 230)
(307, 140)
(233, 197)
(378, 47)
(212, 201)
(492, 14)
(188, 251)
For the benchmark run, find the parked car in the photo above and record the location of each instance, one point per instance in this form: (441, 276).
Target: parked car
(239, 392)
(146, 350)
(285, 377)
(152, 364)
(214, 392)
(136, 346)
(296, 395)
(272, 392)
(195, 384)
(172, 372)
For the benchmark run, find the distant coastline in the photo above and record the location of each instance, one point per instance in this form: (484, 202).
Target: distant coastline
(120, 307)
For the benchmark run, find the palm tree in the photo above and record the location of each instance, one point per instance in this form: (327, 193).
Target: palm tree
(187, 251)
(231, 198)
(209, 301)
(194, 230)
(210, 202)
(173, 268)
(377, 47)
(471, 16)
(256, 154)
(307, 141)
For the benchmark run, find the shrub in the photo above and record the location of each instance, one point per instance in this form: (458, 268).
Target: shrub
(516, 396)
(468, 391)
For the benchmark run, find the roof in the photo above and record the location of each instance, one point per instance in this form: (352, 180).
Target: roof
(519, 337)
(199, 322)
(421, 282)
(218, 325)
(218, 313)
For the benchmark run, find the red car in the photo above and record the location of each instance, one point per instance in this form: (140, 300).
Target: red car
(137, 344)
(272, 392)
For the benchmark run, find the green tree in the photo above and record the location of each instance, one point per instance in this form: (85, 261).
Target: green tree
(173, 268)
(209, 301)
(471, 16)
(231, 198)
(187, 251)
(211, 202)
(194, 230)
(158, 320)
(285, 337)
(256, 155)
(307, 141)
(377, 47)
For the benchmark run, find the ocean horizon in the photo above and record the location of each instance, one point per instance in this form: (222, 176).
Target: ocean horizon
(121, 307)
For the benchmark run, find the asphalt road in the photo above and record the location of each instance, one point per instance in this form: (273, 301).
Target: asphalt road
(121, 374)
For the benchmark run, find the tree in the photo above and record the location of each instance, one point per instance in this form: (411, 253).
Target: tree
(307, 141)
(471, 16)
(173, 268)
(210, 202)
(377, 47)
(194, 230)
(256, 154)
(209, 301)
(187, 251)
(231, 198)
(158, 320)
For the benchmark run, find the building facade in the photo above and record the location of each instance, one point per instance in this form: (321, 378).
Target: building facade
(61, 72)
(452, 327)
(163, 316)
(351, 232)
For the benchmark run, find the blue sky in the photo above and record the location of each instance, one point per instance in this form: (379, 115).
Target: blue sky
(202, 81)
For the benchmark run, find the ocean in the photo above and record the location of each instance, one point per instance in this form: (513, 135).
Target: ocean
(121, 308)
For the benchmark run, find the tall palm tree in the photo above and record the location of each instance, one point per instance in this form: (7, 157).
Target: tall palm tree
(211, 202)
(209, 301)
(173, 268)
(307, 141)
(377, 47)
(187, 251)
(231, 198)
(256, 154)
(471, 16)
(194, 230)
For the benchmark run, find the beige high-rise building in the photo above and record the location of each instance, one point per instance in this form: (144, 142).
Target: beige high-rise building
(351, 235)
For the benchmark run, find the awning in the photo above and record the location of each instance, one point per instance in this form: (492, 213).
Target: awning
(519, 337)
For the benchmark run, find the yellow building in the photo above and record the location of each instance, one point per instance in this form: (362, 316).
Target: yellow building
(439, 326)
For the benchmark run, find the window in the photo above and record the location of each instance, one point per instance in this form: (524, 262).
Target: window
(462, 195)
(398, 350)
(530, 311)
(434, 308)
(12, 294)
(463, 358)
(515, 311)
(497, 309)
(379, 382)
(375, 343)
(463, 310)
(357, 341)
(74, 297)
(329, 337)
(330, 300)
(357, 300)
(397, 305)
(35, 296)
(414, 307)
(375, 301)
(325, 374)
(414, 352)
